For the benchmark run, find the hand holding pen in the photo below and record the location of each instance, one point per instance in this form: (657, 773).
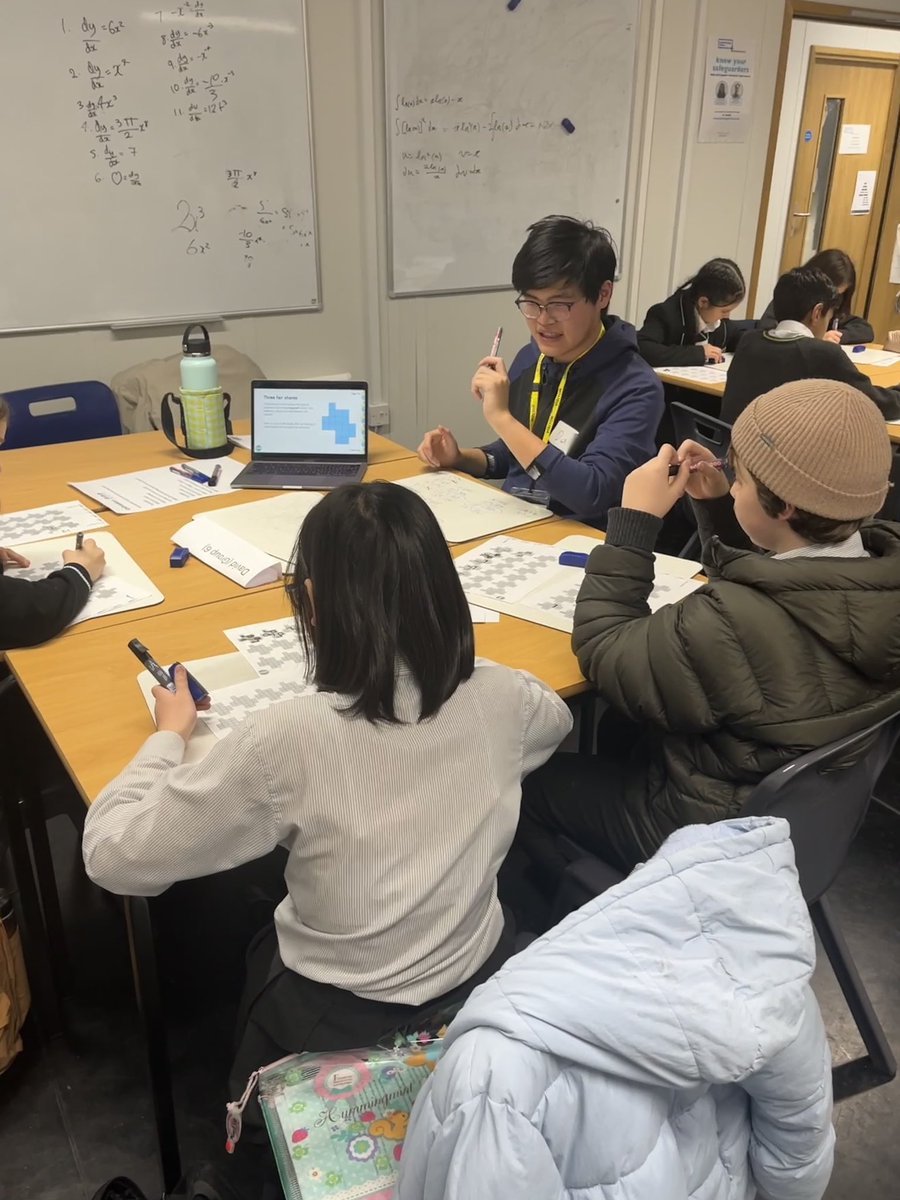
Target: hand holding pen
(86, 554)
(706, 478)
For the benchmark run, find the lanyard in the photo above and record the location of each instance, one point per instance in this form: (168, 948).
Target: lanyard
(558, 399)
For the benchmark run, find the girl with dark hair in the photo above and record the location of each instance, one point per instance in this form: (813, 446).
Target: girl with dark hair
(847, 329)
(692, 327)
(394, 786)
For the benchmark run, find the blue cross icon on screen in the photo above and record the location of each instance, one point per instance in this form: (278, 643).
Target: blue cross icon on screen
(338, 422)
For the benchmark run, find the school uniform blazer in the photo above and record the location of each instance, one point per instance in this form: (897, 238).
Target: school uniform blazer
(613, 402)
(33, 611)
(763, 362)
(853, 330)
(669, 337)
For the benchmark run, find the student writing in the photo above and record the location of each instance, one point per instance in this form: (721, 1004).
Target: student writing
(691, 327)
(394, 786)
(34, 610)
(804, 302)
(839, 268)
(584, 407)
(780, 653)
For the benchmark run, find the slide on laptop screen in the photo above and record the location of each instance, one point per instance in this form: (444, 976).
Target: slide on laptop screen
(306, 434)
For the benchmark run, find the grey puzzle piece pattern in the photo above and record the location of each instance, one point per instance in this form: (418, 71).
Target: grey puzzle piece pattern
(272, 648)
(496, 573)
(562, 603)
(231, 711)
(35, 526)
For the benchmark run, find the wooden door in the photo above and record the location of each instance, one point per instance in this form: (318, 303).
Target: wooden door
(846, 133)
(884, 298)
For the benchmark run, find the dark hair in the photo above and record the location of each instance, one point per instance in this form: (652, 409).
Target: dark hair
(823, 531)
(384, 590)
(839, 268)
(798, 292)
(561, 248)
(719, 280)
(4, 409)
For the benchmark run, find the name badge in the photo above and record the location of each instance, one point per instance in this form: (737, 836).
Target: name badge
(563, 437)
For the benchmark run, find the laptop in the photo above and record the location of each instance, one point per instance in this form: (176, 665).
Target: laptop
(311, 434)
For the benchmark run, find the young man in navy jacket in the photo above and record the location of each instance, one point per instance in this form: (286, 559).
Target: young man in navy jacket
(582, 407)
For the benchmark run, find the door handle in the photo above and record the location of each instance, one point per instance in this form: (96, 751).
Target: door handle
(809, 214)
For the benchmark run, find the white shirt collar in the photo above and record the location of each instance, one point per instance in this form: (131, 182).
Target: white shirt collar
(851, 547)
(791, 329)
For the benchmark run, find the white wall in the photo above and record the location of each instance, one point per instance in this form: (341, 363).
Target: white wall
(804, 35)
(688, 202)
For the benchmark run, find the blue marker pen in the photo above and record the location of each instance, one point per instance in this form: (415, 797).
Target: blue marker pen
(573, 558)
(190, 473)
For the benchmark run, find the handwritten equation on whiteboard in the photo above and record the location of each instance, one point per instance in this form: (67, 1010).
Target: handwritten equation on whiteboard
(183, 57)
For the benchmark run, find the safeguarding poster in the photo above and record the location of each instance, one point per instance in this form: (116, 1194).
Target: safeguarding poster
(727, 91)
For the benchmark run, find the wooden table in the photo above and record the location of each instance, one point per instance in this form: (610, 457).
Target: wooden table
(41, 474)
(84, 693)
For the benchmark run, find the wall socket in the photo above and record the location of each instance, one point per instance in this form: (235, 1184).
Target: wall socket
(379, 416)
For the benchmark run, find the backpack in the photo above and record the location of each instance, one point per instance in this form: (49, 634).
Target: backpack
(15, 998)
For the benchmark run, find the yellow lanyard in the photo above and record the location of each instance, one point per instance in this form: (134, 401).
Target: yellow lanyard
(558, 399)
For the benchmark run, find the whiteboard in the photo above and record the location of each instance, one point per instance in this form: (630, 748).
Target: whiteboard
(157, 161)
(475, 97)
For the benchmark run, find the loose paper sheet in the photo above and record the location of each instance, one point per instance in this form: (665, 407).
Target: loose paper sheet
(271, 525)
(159, 487)
(524, 579)
(48, 521)
(466, 509)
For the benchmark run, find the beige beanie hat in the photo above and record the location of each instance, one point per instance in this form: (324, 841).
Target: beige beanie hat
(819, 445)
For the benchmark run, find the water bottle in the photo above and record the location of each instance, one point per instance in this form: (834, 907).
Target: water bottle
(204, 406)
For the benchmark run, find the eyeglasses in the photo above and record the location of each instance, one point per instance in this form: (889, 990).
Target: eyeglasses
(556, 310)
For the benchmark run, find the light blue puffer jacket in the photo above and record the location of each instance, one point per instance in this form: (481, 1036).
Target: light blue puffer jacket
(662, 1043)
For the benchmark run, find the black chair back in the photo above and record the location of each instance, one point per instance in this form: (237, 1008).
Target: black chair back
(710, 432)
(825, 796)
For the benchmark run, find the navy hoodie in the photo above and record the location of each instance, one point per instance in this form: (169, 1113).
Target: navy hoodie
(612, 398)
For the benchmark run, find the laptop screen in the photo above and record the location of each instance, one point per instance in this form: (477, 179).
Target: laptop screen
(309, 420)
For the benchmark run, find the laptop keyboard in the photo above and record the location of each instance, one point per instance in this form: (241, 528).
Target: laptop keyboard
(289, 468)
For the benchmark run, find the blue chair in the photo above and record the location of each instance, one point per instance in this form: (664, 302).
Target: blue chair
(61, 412)
(825, 796)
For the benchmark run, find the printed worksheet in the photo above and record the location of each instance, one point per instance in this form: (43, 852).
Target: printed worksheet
(525, 579)
(49, 521)
(159, 487)
(123, 586)
(270, 647)
(233, 704)
(466, 509)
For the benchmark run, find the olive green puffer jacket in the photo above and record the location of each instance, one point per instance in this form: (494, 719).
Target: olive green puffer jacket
(771, 659)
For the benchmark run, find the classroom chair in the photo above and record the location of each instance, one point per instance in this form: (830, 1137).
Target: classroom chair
(825, 796)
(710, 432)
(61, 412)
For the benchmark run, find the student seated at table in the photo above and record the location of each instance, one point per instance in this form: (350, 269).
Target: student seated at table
(584, 407)
(805, 301)
(781, 652)
(692, 328)
(844, 327)
(394, 786)
(34, 610)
